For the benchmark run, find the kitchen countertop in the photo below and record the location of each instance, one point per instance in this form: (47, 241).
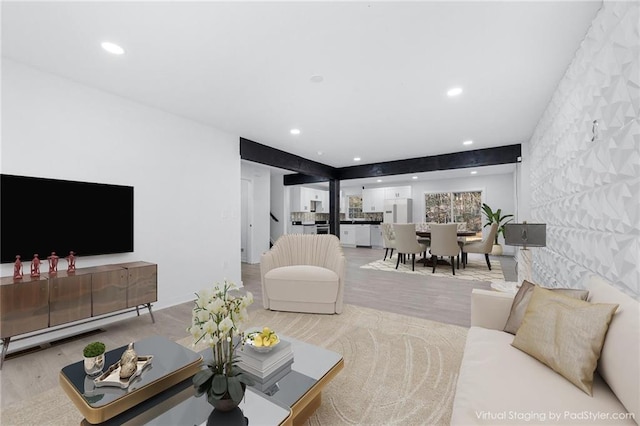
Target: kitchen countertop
(342, 222)
(360, 222)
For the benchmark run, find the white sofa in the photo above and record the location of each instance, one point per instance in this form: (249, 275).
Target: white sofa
(304, 273)
(499, 384)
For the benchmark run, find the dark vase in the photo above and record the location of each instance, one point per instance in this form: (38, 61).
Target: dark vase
(226, 403)
(233, 417)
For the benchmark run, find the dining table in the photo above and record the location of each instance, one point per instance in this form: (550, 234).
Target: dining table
(427, 234)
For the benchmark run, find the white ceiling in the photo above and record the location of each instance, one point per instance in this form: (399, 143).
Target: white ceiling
(245, 67)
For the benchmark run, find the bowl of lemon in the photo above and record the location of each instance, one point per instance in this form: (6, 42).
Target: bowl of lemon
(262, 341)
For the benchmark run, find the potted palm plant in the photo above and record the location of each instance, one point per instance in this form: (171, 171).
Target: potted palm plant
(501, 220)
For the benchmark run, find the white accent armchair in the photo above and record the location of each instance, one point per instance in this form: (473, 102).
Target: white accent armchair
(304, 273)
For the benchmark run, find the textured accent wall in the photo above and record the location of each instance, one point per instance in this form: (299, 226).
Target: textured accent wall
(588, 191)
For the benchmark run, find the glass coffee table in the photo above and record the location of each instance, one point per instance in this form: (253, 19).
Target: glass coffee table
(297, 395)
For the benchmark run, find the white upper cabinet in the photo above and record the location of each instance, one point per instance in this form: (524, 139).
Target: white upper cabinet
(325, 201)
(302, 198)
(397, 192)
(373, 200)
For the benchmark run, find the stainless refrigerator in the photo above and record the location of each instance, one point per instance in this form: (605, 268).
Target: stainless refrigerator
(398, 210)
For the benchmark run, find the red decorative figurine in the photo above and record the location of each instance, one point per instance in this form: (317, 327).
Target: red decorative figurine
(53, 263)
(17, 269)
(35, 266)
(72, 262)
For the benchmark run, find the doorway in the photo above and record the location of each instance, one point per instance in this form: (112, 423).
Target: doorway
(245, 219)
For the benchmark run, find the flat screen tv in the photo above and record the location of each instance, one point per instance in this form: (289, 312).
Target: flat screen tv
(40, 215)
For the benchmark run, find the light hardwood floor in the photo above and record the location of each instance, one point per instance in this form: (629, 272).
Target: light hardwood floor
(430, 297)
(446, 300)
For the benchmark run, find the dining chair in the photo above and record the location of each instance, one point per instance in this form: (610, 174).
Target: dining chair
(484, 247)
(444, 242)
(406, 242)
(388, 240)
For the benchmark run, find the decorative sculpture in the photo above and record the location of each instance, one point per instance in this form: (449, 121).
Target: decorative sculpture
(53, 263)
(17, 269)
(35, 266)
(71, 259)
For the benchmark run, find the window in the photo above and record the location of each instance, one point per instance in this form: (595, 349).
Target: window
(448, 207)
(355, 206)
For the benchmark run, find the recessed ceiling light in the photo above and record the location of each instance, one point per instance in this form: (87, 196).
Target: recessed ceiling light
(474, 172)
(112, 48)
(294, 131)
(317, 78)
(320, 153)
(414, 177)
(356, 158)
(454, 91)
(467, 142)
(379, 180)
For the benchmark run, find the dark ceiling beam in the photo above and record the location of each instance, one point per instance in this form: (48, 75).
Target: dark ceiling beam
(258, 153)
(458, 160)
(298, 179)
(309, 171)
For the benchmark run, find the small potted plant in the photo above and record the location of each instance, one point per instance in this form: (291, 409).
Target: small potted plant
(93, 358)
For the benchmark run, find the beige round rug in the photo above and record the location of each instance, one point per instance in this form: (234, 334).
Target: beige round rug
(399, 370)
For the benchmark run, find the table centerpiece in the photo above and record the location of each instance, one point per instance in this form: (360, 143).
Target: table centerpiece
(218, 319)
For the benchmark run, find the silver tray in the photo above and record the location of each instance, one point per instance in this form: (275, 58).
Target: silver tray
(111, 377)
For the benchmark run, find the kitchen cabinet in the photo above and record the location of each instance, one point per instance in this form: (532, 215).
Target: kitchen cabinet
(397, 192)
(300, 199)
(348, 235)
(297, 229)
(303, 199)
(363, 235)
(376, 236)
(322, 197)
(373, 200)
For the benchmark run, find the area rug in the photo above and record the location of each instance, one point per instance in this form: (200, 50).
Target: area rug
(476, 269)
(399, 370)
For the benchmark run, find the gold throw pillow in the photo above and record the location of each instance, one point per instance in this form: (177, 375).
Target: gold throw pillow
(565, 334)
(521, 300)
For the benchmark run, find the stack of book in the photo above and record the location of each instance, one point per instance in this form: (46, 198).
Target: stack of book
(266, 368)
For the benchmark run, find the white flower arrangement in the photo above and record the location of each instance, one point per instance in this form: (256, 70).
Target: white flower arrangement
(217, 318)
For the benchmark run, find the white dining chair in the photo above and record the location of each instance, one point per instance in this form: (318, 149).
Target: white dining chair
(444, 242)
(484, 247)
(389, 240)
(406, 242)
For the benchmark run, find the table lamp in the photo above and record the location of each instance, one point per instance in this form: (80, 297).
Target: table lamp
(526, 235)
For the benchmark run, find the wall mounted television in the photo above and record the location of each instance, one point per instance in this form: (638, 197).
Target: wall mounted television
(40, 215)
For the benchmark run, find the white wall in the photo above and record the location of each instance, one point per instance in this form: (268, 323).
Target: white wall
(585, 190)
(523, 193)
(186, 176)
(260, 178)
